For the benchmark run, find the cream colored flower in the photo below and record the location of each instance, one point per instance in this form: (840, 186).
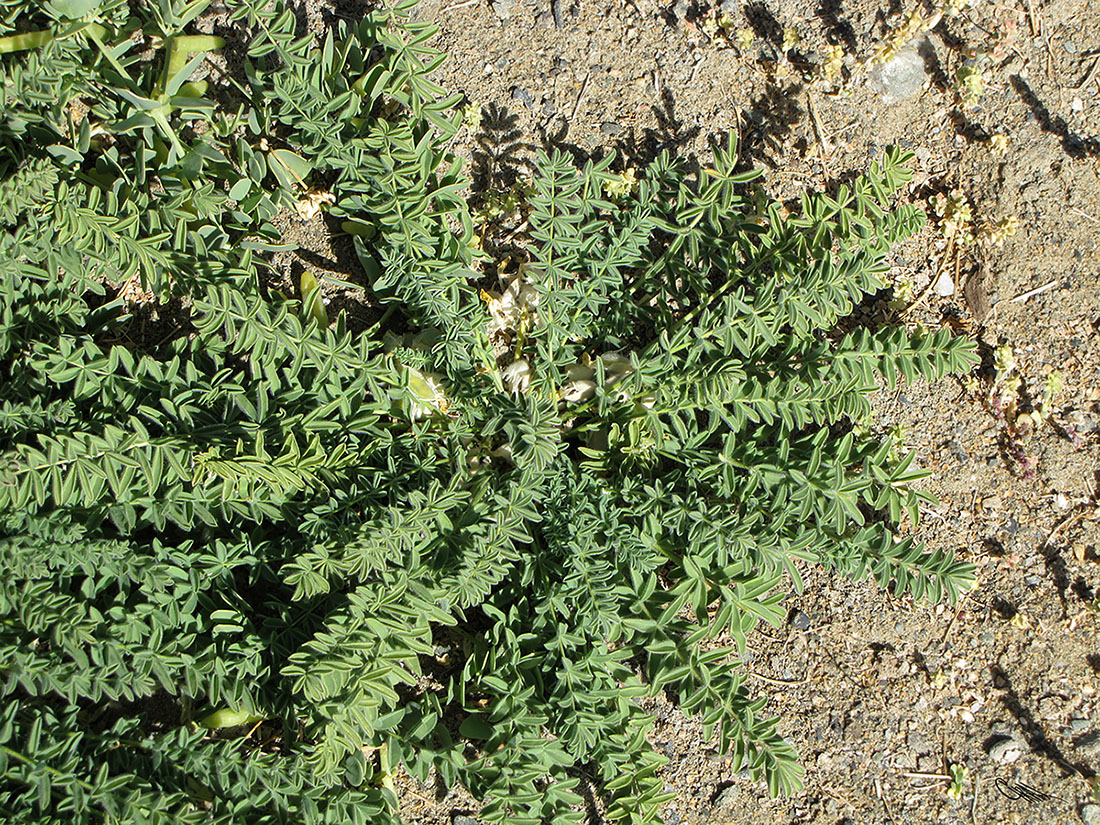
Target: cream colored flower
(428, 394)
(519, 301)
(309, 207)
(580, 390)
(517, 376)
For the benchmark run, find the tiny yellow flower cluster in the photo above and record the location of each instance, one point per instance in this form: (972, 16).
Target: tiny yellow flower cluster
(956, 217)
(498, 204)
(471, 117)
(791, 38)
(1004, 362)
(996, 232)
(915, 24)
(831, 66)
(582, 376)
(622, 185)
(514, 311)
(953, 8)
(970, 80)
(903, 294)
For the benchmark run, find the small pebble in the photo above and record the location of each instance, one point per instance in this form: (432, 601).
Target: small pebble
(1078, 725)
(987, 638)
(523, 96)
(726, 798)
(944, 286)
(504, 8)
(464, 820)
(957, 450)
(800, 621)
(1081, 421)
(610, 128)
(1033, 581)
(1090, 814)
(1006, 751)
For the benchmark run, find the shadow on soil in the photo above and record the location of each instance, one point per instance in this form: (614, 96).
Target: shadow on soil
(1037, 739)
(1074, 145)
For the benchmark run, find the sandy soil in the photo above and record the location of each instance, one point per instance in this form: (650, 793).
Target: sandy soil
(880, 695)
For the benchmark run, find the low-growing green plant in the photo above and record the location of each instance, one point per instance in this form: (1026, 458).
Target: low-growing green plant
(255, 559)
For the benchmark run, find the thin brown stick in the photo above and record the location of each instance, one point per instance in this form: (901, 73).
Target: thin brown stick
(1031, 21)
(937, 273)
(1091, 74)
(1071, 519)
(772, 681)
(580, 97)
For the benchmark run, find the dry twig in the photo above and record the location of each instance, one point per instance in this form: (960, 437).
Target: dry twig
(580, 97)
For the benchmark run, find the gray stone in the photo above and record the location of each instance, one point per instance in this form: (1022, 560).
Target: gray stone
(464, 820)
(672, 817)
(727, 797)
(957, 450)
(610, 128)
(1078, 725)
(1081, 421)
(1090, 814)
(504, 8)
(900, 79)
(800, 621)
(523, 96)
(1006, 751)
(919, 742)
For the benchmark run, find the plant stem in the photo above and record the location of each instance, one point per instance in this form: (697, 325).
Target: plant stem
(26, 760)
(25, 41)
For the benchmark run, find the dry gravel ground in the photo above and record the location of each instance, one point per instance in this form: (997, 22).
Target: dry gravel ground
(880, 695)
